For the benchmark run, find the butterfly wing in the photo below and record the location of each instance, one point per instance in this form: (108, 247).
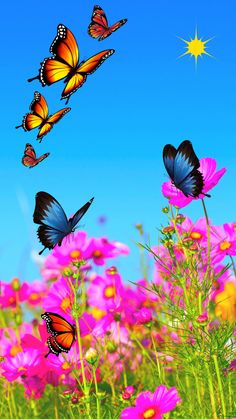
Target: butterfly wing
(193, 184)
(98, 24)
(56, 323)
(185, 162)
(112, 29)
(39, 106)
(65, 59)
(79, 214)
(169, 153)
(54, 225)
(53, 119)
(85, 68)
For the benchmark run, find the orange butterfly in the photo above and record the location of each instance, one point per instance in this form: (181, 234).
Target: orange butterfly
(62, 333)
(29, 159)
(99, 28)
(38, 117)
(65, 63)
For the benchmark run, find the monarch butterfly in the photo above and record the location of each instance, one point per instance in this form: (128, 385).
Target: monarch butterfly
(29, 159)
(182, 166)
(54, 225)
(61, 331)
(99, 28)
(65, 63)
(38, 117)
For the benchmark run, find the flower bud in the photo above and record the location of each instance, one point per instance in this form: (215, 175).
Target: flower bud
(180, 218)
(74, 399)
(139, 227)
(111, 271)
(111, 347)
(203, 318)
(15, 283)
(67, 272)
(165, 210)
(91, 356)
(168, 230)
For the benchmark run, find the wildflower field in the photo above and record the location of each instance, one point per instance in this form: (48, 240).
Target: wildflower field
(164, 345)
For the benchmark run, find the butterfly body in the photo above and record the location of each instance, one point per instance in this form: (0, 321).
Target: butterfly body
(64, 64)
(182, 166)
(62, 333)
(54, 225)
(99, 28)
(38, 117)
(29, 159)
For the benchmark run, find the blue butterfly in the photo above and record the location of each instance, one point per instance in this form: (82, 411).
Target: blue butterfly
(54, 225)
(182, 166)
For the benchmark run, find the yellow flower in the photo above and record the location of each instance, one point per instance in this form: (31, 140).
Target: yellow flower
(226, 302)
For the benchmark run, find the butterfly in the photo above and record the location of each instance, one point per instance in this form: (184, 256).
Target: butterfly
(54, 225)
(182, 166)
(29, 159)
(99, 28)
(38, 117)
(65, 63)
(62, 333)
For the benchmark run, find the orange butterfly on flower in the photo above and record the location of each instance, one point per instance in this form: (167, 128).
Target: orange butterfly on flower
(29, 159)
(38, 117)
(61, 331)
(65, 63)
(99, 28)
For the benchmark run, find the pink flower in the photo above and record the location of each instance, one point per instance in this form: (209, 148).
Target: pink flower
(211, 178)
(27, 363)
(223, 242)
(9, 295)
(106, 292)
(144, 315)
(36, 293)
(100, 249)
(60, 298)
(62, 256)
(154, 405)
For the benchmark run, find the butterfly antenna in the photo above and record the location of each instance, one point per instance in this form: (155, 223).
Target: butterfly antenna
(45, 356)
(19, 126)
(33, 78)
(42, 250)
(206, 194)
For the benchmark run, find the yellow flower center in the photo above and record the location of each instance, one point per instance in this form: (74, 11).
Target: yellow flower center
(65, 304)
(109, 292)
(97, 253)
(97, 313)
(33, 296)
(225, 245)
(21, 369)
(65, 366)
(15, 349)
(150, 413)
(75, 254)
(195, 235)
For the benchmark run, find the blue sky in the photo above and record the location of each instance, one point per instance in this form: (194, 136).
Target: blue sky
(110, 144)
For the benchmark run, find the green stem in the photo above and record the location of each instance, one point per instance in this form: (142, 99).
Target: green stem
(212, 392)
(97, 393)
(220, 385)
(157, 359)
(233, 265)
(208, 239)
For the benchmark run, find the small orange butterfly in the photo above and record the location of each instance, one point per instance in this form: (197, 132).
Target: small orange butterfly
(38, 117)
(29, 159)
(99, 28)
(65, 63)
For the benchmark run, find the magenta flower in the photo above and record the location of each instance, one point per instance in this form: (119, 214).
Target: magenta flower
(27, 363)
(152, 406)
(106, 292)
(143, 316)
(9, 295)
(100, 249)
(60, 298)
(223, 242)
(211, 178)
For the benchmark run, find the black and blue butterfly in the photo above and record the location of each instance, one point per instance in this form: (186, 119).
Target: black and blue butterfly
(54, 224)
(182, 166)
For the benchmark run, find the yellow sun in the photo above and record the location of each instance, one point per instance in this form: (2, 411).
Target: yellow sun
(196, 47)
